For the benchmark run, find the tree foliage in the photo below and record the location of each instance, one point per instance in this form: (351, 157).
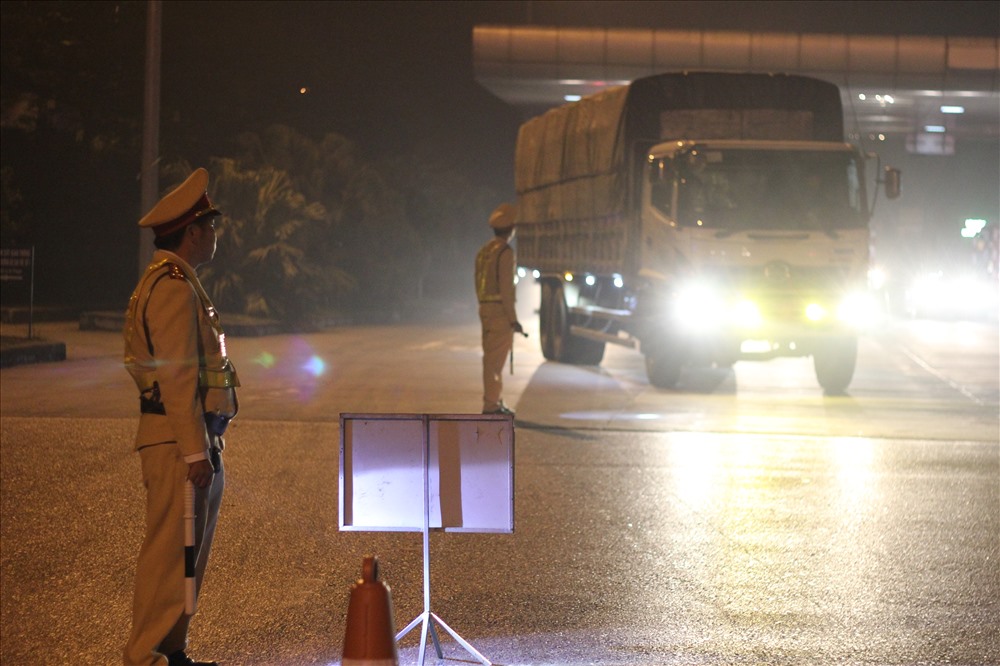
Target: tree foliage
(265, 264)
(63, 71)
(309, 227)
(447, 206)
(364, 232)
(312, 227)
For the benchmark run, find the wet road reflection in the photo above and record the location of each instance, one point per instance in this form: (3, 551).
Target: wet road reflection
(744, 518)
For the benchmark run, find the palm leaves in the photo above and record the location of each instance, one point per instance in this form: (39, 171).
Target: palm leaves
(266, 264)
(311, 227)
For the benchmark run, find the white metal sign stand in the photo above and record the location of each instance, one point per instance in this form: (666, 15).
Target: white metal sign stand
(460, 467)
(427, 619)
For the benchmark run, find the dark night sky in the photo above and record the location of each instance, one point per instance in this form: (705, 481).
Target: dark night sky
(379, 72)
(390, 72)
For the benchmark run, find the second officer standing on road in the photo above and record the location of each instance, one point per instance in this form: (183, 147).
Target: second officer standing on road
(495, 291)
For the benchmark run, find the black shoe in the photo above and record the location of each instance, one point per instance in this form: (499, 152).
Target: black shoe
(180, 659)
(502, 409)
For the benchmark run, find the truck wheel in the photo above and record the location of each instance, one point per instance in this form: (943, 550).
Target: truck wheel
(663, 368)
(581, 351)
(552, 321)
(557, 342)
(835, 361)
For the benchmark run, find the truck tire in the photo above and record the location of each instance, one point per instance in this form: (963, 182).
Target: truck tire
(558, 344)
(552, 323)
(663, 368)
(834, 362)
(581, 351)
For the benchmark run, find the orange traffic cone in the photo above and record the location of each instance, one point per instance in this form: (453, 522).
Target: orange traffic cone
(371, 633)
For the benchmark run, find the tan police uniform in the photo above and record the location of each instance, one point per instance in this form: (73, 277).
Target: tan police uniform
(495, 292)
(175, 351)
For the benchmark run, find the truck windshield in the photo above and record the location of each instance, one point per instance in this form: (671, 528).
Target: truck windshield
(768, 189)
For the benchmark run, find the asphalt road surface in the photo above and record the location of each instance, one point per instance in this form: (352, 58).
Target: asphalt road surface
(743, 518)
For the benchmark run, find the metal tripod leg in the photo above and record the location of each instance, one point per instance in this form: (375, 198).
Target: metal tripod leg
(427, 619)
(461, 641)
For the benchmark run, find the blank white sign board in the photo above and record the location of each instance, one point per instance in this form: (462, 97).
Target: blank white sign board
(469, 472)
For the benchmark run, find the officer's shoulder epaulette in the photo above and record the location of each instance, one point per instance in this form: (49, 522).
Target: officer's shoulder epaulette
(175, 273)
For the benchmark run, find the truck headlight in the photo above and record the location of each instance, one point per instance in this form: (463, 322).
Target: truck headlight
(699, 307)
(815, 312)
(702, 307)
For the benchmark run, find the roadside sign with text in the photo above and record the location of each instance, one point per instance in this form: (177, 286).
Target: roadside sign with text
(15, 263)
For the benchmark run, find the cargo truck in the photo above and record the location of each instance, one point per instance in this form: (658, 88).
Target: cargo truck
(700, 218)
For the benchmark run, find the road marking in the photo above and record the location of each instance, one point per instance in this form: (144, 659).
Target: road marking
(926, 366)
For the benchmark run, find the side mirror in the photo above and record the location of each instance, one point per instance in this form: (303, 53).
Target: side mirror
(891, 180)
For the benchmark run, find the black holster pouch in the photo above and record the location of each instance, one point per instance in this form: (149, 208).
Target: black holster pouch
(149, 405)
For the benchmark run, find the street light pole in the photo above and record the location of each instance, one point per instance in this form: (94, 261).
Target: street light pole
(150, 174)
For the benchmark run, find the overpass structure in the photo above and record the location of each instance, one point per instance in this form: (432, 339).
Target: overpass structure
(927, 90)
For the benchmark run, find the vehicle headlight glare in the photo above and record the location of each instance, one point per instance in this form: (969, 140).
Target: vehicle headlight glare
(815, 312)
(963, 295)
(699, 307)
(877, 278)
(858, 310)
(747, 314)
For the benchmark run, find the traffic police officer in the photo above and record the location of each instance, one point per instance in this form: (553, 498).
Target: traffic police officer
(495, 291)
(175, 351)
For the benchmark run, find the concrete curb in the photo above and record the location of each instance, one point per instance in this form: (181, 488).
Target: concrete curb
(17, 350)
(22, 351)
(235, 325)
(31, 351)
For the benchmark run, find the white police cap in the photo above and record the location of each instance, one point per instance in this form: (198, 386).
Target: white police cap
(186, 203)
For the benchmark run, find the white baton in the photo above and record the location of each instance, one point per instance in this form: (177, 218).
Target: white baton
(190, 584)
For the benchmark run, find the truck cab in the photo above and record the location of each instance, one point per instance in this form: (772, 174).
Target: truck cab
(753, 250)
